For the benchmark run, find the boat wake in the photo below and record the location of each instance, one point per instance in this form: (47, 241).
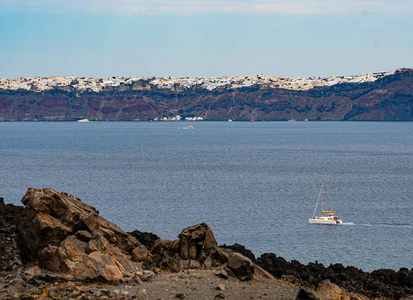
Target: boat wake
(380, 225)
(388, 225)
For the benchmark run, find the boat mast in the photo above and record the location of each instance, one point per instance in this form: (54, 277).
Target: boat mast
(319, 196)
(323, 187)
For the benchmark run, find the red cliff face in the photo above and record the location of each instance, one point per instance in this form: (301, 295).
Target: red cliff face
(388, 98)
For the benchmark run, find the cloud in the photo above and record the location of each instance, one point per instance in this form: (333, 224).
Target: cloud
(154, 7)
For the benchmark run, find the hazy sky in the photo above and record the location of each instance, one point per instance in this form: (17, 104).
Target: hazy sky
(104, 38)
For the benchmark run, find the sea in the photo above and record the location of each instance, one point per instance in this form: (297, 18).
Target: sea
(253, 183)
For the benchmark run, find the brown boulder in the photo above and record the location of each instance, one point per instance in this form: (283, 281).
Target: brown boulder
(241, 265)
(196, 241)
(140, 253)
(327, 286)
(105, 266)
(65, 235)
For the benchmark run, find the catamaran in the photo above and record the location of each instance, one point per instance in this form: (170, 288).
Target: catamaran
(327, 217)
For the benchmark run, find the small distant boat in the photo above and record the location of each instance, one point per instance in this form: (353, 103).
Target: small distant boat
(229, 120)
(327, 217)
(83, 120)
(188, 127)
(291, 119)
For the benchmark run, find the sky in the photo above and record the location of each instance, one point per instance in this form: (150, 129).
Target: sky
(196, 38)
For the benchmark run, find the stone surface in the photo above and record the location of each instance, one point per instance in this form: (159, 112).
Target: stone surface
(379, 283)
(221, 272)
(140, 253)
(305, 294)
(65, 235)
(327, 286)
(290, 278)
(242, 266)
(196, 241)
(145, 238)
(242, 250)
(9, 251)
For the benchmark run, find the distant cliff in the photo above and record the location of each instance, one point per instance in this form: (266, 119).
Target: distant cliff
(388, 97)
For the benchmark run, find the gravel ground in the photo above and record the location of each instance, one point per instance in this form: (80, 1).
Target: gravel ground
(185, 285)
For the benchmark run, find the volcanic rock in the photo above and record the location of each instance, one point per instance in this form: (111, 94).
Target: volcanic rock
(196, 241)
(242, 266)
(145, 238)
(327, 286)
(9, 251)
(197, 248)
(140, 253)
(242, 250)
(379, 283)
(305, 294)
(63, 234)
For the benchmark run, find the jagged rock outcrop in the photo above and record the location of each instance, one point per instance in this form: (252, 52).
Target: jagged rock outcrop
(62, 234)
(197, 248)
(65, 235)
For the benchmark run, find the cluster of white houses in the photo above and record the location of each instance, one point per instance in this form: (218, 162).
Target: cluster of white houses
(179, 118)
(209, 83)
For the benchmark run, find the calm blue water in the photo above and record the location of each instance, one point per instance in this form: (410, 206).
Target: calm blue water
(254, 183)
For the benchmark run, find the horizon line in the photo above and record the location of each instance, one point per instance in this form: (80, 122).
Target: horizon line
(190, 7)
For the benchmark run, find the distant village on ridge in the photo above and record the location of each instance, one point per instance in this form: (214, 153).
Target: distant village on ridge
(209, 83)
(381, 96)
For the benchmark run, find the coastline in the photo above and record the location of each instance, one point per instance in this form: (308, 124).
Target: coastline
(379, 99)
(289, 276)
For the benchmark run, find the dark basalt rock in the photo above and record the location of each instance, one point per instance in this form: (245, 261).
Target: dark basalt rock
(379, 283)
(9, 252)
(305, 294)
(145, 238)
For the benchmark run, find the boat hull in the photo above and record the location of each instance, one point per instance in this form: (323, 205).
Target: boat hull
(324, 222)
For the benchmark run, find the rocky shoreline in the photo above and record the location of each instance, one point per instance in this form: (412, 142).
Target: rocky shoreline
(57, 247)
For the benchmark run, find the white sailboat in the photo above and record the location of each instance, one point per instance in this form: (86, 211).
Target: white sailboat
(327, 217)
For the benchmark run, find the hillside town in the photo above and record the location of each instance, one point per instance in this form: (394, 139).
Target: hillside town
(39, 84)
